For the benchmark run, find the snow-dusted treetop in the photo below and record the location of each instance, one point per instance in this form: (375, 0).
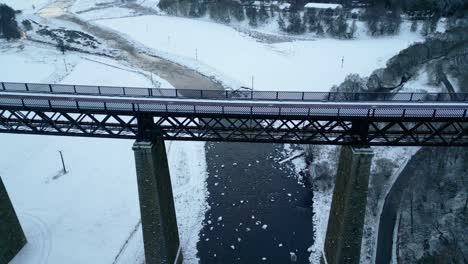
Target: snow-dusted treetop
(322, 6)
(284, 6)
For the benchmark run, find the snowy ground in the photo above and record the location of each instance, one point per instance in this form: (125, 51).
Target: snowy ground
(90, 212)
(300, 65)
(27, 6)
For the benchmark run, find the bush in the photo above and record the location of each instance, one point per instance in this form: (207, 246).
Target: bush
(27, 25)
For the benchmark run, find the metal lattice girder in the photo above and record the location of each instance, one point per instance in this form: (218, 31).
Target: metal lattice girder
(68, 124)
(323, 130)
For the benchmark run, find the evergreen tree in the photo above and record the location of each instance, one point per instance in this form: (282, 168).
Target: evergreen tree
(426, 28)
(8, 25)
(339, 27)
(320, 30)
(273, 9)
(252, 14)
(310, 18)
(295, 23)
(263, 14)
(433, 24)
(414, 26)
(281, 23)
(219, 12)
(202, 8)
(391, 22)
(184, 7)
(170, 6)
(237, 11)
(372, 17)
(352, 30)
(327, 23)
(194, 9)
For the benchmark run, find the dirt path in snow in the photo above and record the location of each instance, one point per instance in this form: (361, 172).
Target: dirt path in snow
(179, 76)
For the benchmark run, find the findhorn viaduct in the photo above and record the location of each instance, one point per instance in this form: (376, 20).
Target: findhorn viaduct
(355, 120)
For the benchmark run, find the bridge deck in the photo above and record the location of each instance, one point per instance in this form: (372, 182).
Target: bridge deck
(317, 118)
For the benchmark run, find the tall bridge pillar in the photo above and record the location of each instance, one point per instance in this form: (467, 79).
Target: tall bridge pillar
(346, 221)
(12, 238)
(158, 217)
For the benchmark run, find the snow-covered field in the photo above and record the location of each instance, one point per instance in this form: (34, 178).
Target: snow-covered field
(27, 6)
(300, 65)
(86, 215)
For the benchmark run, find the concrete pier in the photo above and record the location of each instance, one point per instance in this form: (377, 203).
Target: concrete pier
(345, 225)
(12, 238)
(159, 224)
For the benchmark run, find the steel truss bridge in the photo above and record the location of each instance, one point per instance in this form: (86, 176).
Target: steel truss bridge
(366, 119)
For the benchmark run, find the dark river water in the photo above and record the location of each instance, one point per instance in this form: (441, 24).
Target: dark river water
(259, 213)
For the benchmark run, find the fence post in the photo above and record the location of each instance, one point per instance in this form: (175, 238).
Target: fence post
(50, 88)
(27, 87)
(411, 97)
(74, 89)
(303, 94)
(99, 90)
(3, 86)
(123, 91)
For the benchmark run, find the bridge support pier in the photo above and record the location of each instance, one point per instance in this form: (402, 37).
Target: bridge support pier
(346, 221)
(12, 238)
(158, 217)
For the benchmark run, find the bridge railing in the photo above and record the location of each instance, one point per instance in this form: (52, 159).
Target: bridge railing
(231, 94)
(194, 108)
